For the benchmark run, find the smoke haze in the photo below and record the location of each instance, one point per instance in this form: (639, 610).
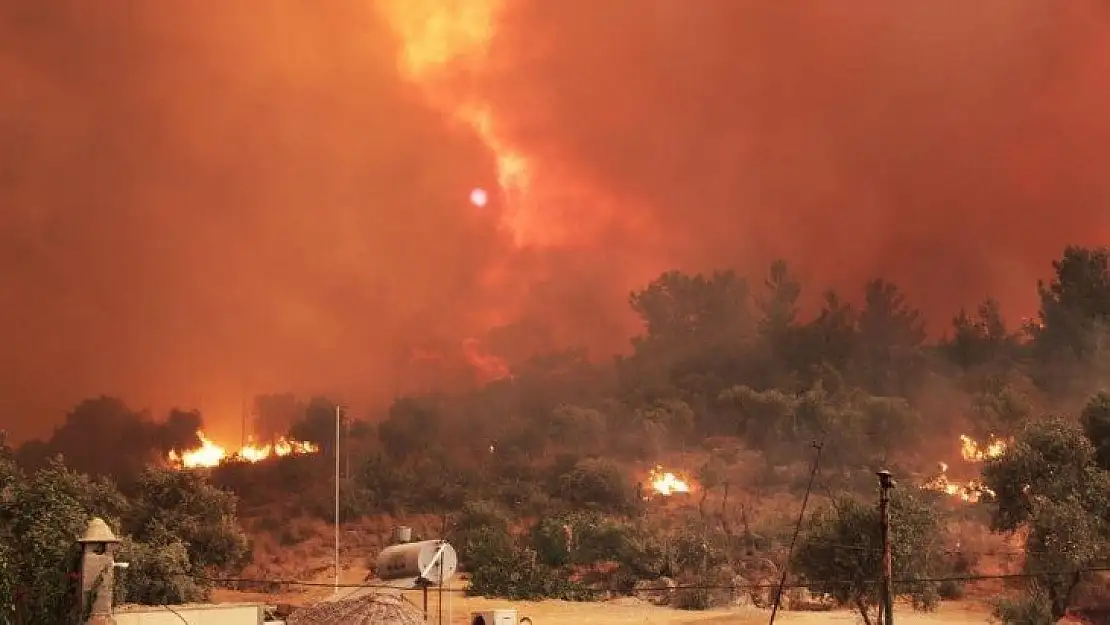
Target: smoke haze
(200, 201)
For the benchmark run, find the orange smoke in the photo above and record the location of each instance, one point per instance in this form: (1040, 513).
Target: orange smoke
(279, 196)
(445, 49)
(488, 366)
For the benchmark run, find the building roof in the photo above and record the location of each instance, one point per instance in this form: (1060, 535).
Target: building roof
(98, 532)
(371, 609)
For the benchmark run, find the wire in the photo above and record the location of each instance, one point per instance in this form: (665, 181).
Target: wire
(797, 528)
(753, 586)
(176, 613)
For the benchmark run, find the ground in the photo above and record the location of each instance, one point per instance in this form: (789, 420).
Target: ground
(629, 611)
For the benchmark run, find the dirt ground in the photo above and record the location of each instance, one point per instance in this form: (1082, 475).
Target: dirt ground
(630, 611)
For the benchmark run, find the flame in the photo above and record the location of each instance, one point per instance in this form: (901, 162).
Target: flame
(971, 491)
(973, 451)
(209, 454)
(666, 483)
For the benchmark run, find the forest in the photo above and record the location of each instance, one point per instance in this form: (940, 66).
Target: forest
(542, 478)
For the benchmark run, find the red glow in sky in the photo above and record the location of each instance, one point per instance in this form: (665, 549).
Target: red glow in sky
(202, 203)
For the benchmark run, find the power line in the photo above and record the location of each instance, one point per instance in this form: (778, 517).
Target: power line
(902, 581)
(797, 528)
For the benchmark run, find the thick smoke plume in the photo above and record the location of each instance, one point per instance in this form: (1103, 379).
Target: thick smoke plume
(200, 201)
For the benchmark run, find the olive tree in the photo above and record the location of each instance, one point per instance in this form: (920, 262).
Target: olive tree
(841, 554)
(1049, 483)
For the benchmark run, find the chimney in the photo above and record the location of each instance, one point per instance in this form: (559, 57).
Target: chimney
(97, 575)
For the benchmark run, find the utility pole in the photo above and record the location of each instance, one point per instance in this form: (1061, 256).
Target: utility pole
(886, 483)
(338, 421)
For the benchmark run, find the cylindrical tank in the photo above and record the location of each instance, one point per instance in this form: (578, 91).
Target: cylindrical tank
(406, 563)
(402, 534)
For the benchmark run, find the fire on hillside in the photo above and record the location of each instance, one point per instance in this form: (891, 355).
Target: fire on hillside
(209, 454)
(666, 483)
(973, 452)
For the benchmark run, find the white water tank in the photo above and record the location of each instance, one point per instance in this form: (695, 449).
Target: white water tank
(408, 564)
(494, 617)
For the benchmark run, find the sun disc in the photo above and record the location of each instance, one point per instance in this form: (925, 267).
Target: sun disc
(479, 197)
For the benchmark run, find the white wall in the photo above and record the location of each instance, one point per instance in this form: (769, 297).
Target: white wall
(241, 614)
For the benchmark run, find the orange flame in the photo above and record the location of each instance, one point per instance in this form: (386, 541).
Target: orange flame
(209, 454)
(971, 491)
(973, 451)
(667, 483)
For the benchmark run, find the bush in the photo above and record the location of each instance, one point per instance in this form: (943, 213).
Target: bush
(156, 575)
(596, 484)
(480, 534)
(703, 591)
(1032, 609)
(951, 590)
(549, 540)
(499, 570)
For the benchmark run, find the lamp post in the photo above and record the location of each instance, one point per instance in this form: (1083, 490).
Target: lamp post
(338, 421)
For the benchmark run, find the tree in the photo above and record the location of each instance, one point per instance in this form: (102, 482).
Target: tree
(693, 324)
(890, 422)
(411, 427)
(1002, 407)
(171, 507)
(106, 423)
(760, 416)
(779, 308)
(842, 552)
(981, 339)
(1075, 304)
(1049, 482)
(318, 424)
(831, 339)
(157, 574)
(41, 516)
(891, 334)
(677, 307)
(581, 429)
(596, 483)
(1049, 458)
(1096, 427)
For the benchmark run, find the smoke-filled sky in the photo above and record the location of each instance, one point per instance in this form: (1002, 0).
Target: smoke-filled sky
(204, 200)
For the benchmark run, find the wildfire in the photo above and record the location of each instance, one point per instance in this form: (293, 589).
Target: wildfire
(971, 491)
(666, 483)
(972, 451)
(209, 454)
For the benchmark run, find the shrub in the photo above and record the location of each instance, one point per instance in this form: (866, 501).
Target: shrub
(1031, 609)
(951, 590)
(703, 591)
(596, 484)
